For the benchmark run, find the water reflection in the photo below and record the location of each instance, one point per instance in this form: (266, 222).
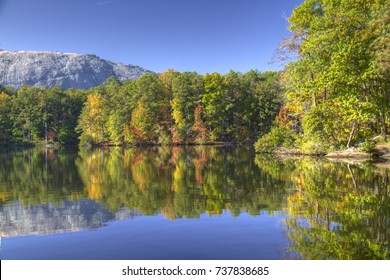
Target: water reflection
(330, 210)
(37, 176)
(67, 216)
(337, 210)
(179, 182)
(40, 187)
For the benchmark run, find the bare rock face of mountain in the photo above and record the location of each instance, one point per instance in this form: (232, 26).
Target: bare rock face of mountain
(68, 70)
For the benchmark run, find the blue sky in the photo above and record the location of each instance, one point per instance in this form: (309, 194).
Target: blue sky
(187, 35)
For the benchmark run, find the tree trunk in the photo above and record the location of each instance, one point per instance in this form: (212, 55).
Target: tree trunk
(45, 132)
(383, 126)
(314, 94)
(102, 129)
(351, 134)
(352, 177)
(314, 100)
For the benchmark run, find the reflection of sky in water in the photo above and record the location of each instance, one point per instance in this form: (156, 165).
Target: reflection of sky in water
(304, 223)
(154, 237)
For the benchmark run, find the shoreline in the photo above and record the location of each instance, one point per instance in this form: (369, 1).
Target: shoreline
(379, 154)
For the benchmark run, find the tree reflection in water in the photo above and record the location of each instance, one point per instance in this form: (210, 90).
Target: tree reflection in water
(332, 210)
(336, 210)
(179, 181)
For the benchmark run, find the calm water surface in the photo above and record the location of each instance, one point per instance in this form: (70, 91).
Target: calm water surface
(190, 203)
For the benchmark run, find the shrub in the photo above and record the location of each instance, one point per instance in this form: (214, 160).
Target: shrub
(279, 136)
(367, 146)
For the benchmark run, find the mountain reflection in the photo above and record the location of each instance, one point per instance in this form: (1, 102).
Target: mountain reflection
(67, 216)
(333, 210)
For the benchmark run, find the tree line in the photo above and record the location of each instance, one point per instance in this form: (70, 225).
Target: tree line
(336, 77)
(170, 108)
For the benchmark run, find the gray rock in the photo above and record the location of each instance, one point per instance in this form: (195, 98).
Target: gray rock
(68, 70)
(351, 153)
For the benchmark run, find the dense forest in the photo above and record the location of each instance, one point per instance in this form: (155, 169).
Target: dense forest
(333, 94)
(170, 108)
(32, 115)
(336, 78)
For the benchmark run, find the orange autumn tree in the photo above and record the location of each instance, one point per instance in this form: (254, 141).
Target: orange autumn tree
(199, 126)
(141, 125)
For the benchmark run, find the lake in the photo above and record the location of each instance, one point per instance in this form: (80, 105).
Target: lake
(191, 202)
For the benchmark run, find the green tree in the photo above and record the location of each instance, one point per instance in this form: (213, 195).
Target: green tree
(187, 88)
(213, 101)
(71, 104)
(5, 119)
(28, 114)
(337, 67)
(119, 109)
